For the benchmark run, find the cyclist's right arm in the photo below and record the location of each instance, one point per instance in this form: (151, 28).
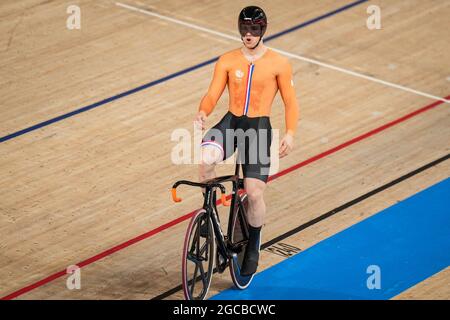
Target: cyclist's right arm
(215, 90)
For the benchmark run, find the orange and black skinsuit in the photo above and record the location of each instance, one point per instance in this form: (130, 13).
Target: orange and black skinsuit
(252, 88)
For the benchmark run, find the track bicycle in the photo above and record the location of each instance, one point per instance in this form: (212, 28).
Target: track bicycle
(206, 248)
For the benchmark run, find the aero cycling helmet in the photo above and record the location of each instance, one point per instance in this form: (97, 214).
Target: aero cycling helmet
(252, 19)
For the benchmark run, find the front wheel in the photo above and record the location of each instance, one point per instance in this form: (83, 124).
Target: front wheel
(198, 257)
(239, 238)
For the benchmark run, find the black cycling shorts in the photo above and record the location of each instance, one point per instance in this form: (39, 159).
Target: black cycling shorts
(252, 137)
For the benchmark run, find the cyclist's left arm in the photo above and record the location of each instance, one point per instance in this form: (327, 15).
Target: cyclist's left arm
(287, 90)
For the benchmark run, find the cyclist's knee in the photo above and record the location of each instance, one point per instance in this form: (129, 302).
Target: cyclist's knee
(255, 195)
(210, 155)
(255, 190)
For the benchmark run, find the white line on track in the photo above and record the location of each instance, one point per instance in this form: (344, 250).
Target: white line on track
(288, 54)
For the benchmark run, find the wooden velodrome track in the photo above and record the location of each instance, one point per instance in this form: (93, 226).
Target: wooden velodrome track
(76, 189)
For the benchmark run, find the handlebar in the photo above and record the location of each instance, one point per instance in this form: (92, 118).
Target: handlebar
(213, 183)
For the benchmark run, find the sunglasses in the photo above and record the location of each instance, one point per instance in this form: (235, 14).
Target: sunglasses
(254, 29)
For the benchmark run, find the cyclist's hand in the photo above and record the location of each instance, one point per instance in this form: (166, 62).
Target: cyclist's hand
(200, 120)
(287, 144)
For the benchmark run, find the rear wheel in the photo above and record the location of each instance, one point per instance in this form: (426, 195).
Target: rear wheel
(198, 257)
(239, 239)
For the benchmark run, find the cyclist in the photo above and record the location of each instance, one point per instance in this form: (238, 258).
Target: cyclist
(253, 74)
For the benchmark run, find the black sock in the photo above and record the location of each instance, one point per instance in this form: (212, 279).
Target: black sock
(250, 263)
(254, 238)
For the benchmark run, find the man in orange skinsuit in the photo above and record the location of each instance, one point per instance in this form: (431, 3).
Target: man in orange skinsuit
(254, 74)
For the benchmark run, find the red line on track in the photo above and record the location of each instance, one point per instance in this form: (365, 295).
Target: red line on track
(189, 215)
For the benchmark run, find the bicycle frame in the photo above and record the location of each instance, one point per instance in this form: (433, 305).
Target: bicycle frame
(223, 241)
(224, 245)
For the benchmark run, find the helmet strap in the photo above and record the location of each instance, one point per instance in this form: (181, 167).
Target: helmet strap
(257, 43)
